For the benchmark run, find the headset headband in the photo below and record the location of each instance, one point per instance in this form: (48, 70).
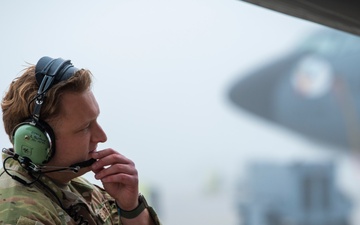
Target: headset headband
(49, 71)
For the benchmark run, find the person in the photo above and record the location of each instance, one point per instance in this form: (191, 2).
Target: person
(50, 114)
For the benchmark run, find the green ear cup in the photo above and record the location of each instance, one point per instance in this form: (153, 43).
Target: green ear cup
(31, 142)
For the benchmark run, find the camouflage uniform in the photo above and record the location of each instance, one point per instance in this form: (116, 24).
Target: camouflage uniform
(36, 205)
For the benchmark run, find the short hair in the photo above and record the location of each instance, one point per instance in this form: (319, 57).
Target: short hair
(17, 104)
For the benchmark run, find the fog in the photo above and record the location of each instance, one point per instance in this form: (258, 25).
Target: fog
(162, 72)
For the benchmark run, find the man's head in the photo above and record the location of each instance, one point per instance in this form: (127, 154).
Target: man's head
(51, 76)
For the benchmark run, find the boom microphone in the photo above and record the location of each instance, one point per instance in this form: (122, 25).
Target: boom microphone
(74, 167)
(28, 165)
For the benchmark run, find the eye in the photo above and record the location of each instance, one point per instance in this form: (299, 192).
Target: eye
(85, 128)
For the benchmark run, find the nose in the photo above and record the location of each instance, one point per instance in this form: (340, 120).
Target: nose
(98, 134)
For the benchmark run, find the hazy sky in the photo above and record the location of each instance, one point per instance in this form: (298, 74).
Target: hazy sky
(162, 71)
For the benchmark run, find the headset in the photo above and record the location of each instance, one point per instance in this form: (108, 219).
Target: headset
(34, 139)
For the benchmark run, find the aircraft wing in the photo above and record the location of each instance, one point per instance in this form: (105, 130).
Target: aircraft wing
(339, 14)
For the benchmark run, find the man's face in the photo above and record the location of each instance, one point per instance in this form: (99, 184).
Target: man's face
(77, 132)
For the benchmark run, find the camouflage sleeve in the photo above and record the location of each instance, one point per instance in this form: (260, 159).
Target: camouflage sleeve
(25, 205)
(154, 216)
(23, 210)
(27, 221)
(115, 212)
